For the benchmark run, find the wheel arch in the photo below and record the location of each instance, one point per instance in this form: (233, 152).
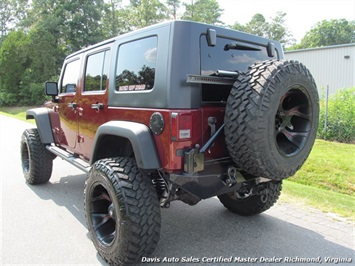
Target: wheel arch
(41, 116)
(128, 139)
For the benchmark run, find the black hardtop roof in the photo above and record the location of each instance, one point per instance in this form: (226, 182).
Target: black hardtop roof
(220, 31)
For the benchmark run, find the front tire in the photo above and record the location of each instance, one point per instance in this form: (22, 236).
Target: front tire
(243, 204)
(122, 211)
(37, 161)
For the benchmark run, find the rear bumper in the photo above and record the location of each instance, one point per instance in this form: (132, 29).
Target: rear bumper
(216, 179)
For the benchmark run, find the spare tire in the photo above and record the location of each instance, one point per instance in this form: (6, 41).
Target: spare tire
(271, 118)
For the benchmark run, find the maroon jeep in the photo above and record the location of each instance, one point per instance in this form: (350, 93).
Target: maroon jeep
(176, 111)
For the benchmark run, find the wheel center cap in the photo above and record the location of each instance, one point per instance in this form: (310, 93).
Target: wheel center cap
(111, 211)
(283, 121)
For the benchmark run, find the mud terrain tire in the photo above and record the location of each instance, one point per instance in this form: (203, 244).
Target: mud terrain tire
(122, 211)
(37, 161)
(244, 205)
(271, 118)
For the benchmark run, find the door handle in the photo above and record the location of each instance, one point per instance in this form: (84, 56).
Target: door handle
(72, 105)
(97, 106)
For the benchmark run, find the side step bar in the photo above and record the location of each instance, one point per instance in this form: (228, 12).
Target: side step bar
(70, 158)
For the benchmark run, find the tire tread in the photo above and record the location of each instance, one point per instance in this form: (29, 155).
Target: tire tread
(40, 159)
(142, 210)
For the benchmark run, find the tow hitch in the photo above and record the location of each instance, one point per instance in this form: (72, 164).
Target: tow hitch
(248, 191)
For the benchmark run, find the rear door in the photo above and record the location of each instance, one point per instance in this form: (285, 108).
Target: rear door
(92, 106)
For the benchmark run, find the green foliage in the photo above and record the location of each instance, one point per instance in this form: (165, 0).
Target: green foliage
(278, 30)
(14, 60)
(206, 11)
(11, 11)
(82, 23)
(328, 32)
(5, 17)
(173, 6)
(45, 55)
(114, 19)
(146, 12)
(274, 30)
(340, 120)
(257, 25)
(30, 92)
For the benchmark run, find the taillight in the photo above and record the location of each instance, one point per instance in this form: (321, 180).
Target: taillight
(181, 125)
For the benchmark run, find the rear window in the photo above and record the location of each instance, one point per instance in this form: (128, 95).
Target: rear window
(218, 58)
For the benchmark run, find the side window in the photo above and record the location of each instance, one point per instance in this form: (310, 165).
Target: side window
(136, 63)
(96, 73)
(70, 76)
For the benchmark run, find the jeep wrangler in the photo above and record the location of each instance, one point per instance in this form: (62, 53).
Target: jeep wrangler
(175, 111)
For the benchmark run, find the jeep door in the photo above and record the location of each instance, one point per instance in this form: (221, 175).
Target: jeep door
(92, 106)
(66, 134)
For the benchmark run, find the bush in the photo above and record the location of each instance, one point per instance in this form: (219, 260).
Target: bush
(341, 117)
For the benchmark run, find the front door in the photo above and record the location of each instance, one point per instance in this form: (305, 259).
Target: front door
(66, 133)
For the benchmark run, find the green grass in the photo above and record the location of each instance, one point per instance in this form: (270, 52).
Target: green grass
(324, 200)
(326, 181)
(16, 112)
(330, 166)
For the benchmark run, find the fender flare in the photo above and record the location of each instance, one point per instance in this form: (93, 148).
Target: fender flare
(41, 116)
(141, 139)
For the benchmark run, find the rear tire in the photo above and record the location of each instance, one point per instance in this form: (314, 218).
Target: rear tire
(122, 211)
(271, 119)
(244, 205)
(37, 161)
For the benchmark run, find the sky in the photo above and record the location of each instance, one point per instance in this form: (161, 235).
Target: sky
(301, 14)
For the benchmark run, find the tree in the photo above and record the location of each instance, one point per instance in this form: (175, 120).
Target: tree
(14, 60)
(238, 26)
(78, 22)
(329, 32)
(274, 30)
(173, 6)
(82, 23)
(5, 17)
(257, 25)
(11, 11)
(278, 31)
(146, 12)
(206, 11)
(114, 19)
(46, 54)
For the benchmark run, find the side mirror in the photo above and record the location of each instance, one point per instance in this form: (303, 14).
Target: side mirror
(51, 88)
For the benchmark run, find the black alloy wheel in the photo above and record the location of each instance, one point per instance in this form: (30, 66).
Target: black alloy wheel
(293, 121)
(103, 215)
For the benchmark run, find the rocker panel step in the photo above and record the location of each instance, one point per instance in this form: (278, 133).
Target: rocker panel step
(70, 158)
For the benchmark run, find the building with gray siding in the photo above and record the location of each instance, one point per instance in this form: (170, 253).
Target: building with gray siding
(332, 66)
